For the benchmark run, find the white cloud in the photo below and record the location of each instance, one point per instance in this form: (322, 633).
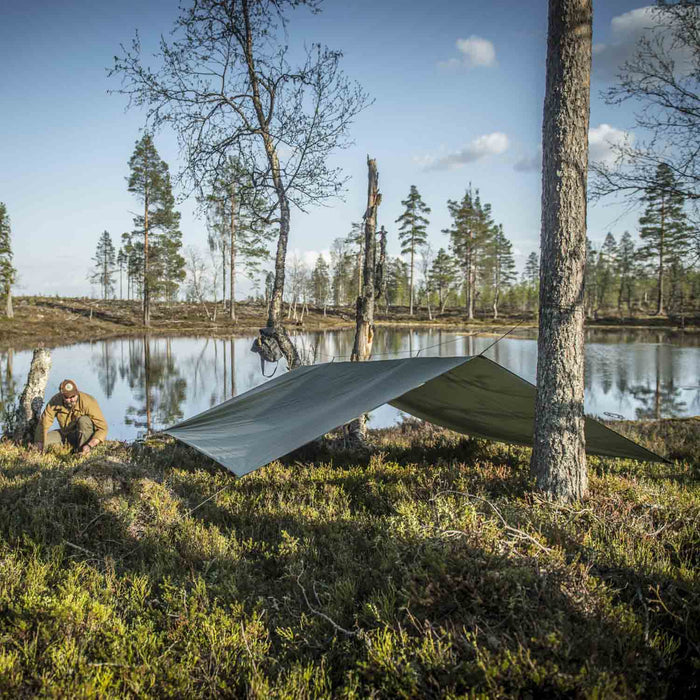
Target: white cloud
(626, 30)
(309, 257)
(601, 141)
(476, 52)
(486, 145)
(634, 21)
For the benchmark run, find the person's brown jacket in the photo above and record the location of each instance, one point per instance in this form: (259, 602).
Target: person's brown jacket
(67, 418)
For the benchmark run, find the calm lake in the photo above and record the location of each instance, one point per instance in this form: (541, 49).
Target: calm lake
(153, 383)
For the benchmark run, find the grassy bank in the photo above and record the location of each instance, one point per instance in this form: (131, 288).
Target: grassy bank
(430, 570)
(52, 321)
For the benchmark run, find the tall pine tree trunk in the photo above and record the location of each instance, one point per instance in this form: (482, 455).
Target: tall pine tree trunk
(660, 297)
(558, 457)
(232, 246)
(146, 286)
(410, 300)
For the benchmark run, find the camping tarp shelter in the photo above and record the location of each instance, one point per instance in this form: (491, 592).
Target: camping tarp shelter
(472, 395)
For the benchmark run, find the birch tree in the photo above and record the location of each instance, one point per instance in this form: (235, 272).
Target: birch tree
(224, 83)
(7, 270)
(558, 457)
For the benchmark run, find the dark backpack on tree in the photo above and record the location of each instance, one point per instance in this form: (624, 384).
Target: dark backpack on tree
(267, 347)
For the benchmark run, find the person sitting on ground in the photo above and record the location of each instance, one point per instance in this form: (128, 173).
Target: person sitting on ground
(80, 420)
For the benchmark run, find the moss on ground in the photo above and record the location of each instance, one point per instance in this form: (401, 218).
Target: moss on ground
(428, 570)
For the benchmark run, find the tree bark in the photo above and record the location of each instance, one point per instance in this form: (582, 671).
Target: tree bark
(558, 457)
(660, 296)
(410, 288)
(274, 320)
(146, 289)
(364, 310)
(9, 311)
(380, 268)
(32, 399)
(364, 316)
(232, 246)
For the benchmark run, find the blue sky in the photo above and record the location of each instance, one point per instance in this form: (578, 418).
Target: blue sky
(458, 89)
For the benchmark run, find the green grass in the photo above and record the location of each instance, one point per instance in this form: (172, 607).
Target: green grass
(429, 570)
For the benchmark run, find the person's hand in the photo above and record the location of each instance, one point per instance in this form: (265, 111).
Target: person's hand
(85, 449)
(40, 446)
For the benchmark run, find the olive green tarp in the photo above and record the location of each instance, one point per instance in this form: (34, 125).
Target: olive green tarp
(471, 395)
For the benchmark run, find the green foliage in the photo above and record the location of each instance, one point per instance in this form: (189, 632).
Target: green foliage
(236, 220)
(412, 232)
(397, 282)
(663, 228)
(442, 276)
(345, 266)
(7, 271)
(471, 231)
(430, 571)
(105, 265)
(321, 282)
(163, 268)
(499, 265)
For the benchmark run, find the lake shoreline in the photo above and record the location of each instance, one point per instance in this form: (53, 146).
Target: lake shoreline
(50, 322)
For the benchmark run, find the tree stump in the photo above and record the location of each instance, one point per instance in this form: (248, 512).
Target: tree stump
(32, 399)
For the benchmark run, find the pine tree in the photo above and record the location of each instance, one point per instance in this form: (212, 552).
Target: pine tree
(397, 286)
(501, 265)
(321, 283)
(105, 265)
(470, 233)
(558, 460)
(442, 275)
(7, 271)
(342, 265)
(531, 277)
(356, 239)
(149, 180)
(626, 267)
(663, 228)
(590, 287)
(412, 232)
(606, 266)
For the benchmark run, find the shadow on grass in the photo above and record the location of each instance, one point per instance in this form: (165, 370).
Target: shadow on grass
(383, 574)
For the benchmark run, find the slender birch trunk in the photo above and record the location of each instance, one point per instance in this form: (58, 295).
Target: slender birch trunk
(558, 457)
(32, 399)
(9, 311)
(232, 250)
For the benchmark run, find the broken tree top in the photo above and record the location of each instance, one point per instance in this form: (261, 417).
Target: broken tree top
(471, 395)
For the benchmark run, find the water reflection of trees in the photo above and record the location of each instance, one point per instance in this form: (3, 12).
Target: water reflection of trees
(151, 371)
(106, 367)
(662, 398)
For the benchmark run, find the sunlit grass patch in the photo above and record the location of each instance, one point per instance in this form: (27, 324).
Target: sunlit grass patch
(428, 570)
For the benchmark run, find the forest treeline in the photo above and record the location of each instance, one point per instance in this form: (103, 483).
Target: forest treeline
(653, 271)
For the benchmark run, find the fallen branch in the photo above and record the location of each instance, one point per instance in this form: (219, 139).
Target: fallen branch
(514, 531)
(336, 626)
